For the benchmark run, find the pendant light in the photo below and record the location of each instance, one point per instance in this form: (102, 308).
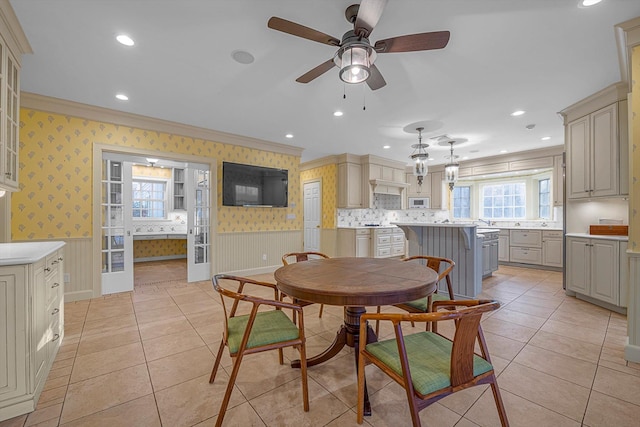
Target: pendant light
(451, 169)
(420, 157)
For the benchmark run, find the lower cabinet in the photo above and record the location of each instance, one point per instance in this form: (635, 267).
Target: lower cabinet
(593, 268)
(32, 304)
(378, 242)
(503, 246)
(354, 242)
(489, 257)
(552, 248)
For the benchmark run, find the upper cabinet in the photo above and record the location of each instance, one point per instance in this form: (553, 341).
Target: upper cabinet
(349, 182)
(13, 44)
(596, 145)
(431, 187)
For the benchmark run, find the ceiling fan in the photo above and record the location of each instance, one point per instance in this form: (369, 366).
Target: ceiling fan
(355, 55)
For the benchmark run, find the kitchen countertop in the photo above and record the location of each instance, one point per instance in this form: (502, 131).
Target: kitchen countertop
(26, 252)
(599, 236)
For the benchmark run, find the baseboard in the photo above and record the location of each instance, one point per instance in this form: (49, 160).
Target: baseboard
(608, 306)
(533, 266)
(77, 296)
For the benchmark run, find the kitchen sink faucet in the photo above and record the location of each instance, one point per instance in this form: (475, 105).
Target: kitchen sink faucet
(484, 221)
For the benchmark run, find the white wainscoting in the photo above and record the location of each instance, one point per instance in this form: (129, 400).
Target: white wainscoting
(242, 253)
(632, 349)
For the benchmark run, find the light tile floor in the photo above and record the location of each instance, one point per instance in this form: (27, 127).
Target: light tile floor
(144, 358)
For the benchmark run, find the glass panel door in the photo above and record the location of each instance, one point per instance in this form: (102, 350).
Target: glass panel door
(199, 225)
(117, 242)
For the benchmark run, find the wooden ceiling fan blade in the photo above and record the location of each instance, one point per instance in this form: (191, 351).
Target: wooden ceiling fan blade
(368, 16)
(298, 30)
(316, 72)
(413, 42)
(375, 80)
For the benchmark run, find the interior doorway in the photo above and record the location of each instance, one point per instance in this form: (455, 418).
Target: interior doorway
(155, 221)
(312, 209)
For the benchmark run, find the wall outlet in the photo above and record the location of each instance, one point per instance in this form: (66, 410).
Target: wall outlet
(291, 216)
(67, 278)
(264, 257)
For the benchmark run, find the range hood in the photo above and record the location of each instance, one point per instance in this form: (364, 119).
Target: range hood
(380, 186)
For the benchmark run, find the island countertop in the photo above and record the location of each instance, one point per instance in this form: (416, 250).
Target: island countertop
(26, 252)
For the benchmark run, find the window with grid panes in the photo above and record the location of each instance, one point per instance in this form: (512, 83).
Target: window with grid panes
(462, 202)
(149, 199)
(544, 198)
(503, 201)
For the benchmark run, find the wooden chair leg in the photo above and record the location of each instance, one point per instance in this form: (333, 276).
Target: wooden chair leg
(280, 356)
(303, 373)
(216, 364)
(227, 393)
(499, 404)
(378, 323)
(321, 308)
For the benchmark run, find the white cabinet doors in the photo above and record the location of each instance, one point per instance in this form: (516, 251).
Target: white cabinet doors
(593, 268)
(592, 150)
(503, 247)
(312, 215)
(13, 355)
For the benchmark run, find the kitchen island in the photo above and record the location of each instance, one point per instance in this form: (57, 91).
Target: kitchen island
(460, 242)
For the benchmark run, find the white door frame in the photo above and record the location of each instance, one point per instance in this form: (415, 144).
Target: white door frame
(98, 150)
(304, 209)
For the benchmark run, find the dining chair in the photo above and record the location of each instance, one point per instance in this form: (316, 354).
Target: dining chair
(442, 266)
(299, 257)
(260, 330)
(428, 365)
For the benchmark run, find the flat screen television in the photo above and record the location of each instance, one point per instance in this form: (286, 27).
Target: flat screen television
(247, 185)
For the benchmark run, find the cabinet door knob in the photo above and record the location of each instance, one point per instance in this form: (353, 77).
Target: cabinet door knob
(47, 269)
(55, 337)
(55, 285)
(55, 311)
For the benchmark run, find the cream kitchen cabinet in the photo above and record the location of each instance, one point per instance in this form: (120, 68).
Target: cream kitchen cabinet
(503, 246)
(525, 246)
(349, 185)
(31, 285)
(431, 187)
(354, 242)
(387, 242)
(552, 248)
(593, 268)
(594, 153)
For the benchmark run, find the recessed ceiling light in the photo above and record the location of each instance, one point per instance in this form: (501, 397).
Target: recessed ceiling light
(465, 158)
(289, 135)
(242, 57)
(503, 151)
(545, 138)
(337, 113)
(125, 39)
(587, 3)
(122, 97)
(386, 147)
(517, 113)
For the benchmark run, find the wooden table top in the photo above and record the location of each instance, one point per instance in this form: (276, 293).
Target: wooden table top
(356, 281)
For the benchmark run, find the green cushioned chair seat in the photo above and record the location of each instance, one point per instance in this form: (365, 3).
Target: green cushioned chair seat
(269, 327)
(421, 304)
(429, 358)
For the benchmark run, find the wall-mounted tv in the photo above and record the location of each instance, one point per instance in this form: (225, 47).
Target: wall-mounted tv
(247, 185)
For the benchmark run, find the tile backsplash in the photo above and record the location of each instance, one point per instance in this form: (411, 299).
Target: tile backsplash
(359, 217)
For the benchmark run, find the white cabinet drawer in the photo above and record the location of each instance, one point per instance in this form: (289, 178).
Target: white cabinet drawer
(398, 238)
(384, 230)
(527, 238)
(525, 255)
(552, 234)
(362, 231)
(397, 250)
(383, 252)
(384, 240)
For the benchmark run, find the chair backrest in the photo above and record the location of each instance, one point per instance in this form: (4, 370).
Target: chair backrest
(435, 263)
(301, 256)
(467, 331)
(236, 296)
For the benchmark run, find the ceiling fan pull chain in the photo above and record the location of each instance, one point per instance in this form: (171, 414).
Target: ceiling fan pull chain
(344, 91)
(364, 99)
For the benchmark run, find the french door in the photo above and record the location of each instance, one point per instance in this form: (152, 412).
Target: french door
(116, 221)
(198, 225)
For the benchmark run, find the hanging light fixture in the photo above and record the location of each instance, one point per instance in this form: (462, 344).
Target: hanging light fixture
(451, 169)
(354, 58)
(420, 157)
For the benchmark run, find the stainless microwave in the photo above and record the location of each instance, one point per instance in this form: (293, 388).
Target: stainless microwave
(418, 203)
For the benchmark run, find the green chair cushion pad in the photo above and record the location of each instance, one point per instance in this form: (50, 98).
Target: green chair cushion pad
(269, 327)
(429, 356)
(421, 304)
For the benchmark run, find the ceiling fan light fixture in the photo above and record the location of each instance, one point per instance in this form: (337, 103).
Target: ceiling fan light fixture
(355, 60)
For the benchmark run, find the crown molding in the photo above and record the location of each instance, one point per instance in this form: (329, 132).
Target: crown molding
(12, 31)
(34, 101)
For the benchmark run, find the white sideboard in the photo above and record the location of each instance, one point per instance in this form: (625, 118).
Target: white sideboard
(32, 302)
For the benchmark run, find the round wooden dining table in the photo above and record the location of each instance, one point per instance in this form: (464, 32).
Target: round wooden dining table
(354, 283)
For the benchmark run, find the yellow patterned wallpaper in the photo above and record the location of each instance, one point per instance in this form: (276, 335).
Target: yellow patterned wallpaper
(56, 153)
(634, 212)
(329, 176)
(157, 248)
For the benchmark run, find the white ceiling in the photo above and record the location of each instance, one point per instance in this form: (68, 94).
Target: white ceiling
(538, 55)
